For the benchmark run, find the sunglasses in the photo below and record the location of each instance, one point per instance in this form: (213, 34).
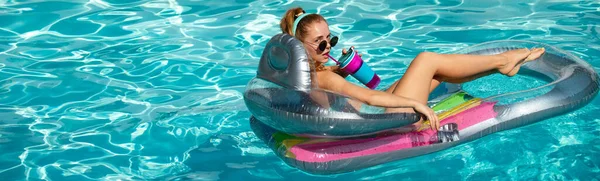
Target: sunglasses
(323, 43)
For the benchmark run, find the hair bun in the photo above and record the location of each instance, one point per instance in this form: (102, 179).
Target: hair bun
(300, 13)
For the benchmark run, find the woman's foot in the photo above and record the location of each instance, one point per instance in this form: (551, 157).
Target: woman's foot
(511, 58)
(515, 58)
(535, 54)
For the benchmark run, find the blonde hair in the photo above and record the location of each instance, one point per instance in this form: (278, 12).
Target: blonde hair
(287, 22)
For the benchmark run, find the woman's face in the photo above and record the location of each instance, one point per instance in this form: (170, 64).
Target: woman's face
(317, 32)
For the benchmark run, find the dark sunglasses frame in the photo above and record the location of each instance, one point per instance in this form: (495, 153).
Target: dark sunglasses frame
(323, 44)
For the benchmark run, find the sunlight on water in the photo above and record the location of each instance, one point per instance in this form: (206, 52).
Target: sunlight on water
(141, 89)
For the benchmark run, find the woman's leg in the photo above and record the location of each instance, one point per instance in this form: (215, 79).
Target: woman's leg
(434, 84)
(436, 81)
(428, 70)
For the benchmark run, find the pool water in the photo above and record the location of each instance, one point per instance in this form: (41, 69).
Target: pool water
(139, 90)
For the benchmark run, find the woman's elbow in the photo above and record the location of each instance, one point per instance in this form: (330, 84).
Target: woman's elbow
(371, 100)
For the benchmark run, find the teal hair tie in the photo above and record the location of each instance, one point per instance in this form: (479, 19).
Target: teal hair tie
(298, 21)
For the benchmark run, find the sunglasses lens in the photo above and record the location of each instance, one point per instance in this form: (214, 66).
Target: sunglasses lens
(322, 45)
(334, 41)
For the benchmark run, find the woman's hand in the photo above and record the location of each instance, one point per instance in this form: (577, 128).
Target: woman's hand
(429, 113)
(352, 47)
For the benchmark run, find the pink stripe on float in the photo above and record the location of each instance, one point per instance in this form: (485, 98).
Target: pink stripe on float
(350, 148)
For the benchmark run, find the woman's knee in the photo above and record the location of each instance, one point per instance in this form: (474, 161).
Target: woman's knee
(426, 57)
(425, 61)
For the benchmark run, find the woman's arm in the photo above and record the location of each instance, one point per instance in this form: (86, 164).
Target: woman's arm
(335, 83)
(332, 81)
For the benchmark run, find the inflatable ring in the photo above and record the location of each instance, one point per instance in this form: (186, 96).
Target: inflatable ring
(284, 97)
(573, 84)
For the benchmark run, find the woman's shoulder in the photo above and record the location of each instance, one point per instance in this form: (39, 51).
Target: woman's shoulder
(329, 79)
(337, 70)
(327, 73)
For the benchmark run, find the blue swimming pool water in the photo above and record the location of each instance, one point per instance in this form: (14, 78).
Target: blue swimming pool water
(137, 89)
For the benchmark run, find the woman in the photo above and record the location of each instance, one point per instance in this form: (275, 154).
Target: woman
(424, 74)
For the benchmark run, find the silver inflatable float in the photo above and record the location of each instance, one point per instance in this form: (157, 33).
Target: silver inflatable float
(319, 131)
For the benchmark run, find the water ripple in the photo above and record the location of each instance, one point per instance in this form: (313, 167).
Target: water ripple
(152, 89)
